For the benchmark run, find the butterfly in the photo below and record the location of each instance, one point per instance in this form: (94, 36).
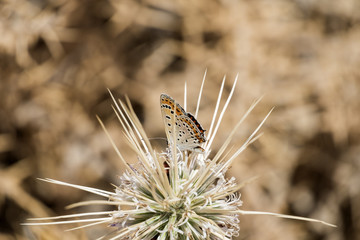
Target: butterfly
(188, 131)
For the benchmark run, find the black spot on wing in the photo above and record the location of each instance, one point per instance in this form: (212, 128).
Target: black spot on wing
(195, 122)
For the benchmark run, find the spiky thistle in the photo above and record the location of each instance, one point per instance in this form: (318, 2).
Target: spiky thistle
(175, 194)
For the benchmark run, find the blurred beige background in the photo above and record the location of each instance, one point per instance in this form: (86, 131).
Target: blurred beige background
(58, 57)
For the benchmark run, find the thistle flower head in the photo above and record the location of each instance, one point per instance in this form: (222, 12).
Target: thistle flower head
(174, 194)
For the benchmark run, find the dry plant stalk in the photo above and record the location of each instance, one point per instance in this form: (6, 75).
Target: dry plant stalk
(176, 194)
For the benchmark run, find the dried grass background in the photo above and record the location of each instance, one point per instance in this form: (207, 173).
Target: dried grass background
(58, 57)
